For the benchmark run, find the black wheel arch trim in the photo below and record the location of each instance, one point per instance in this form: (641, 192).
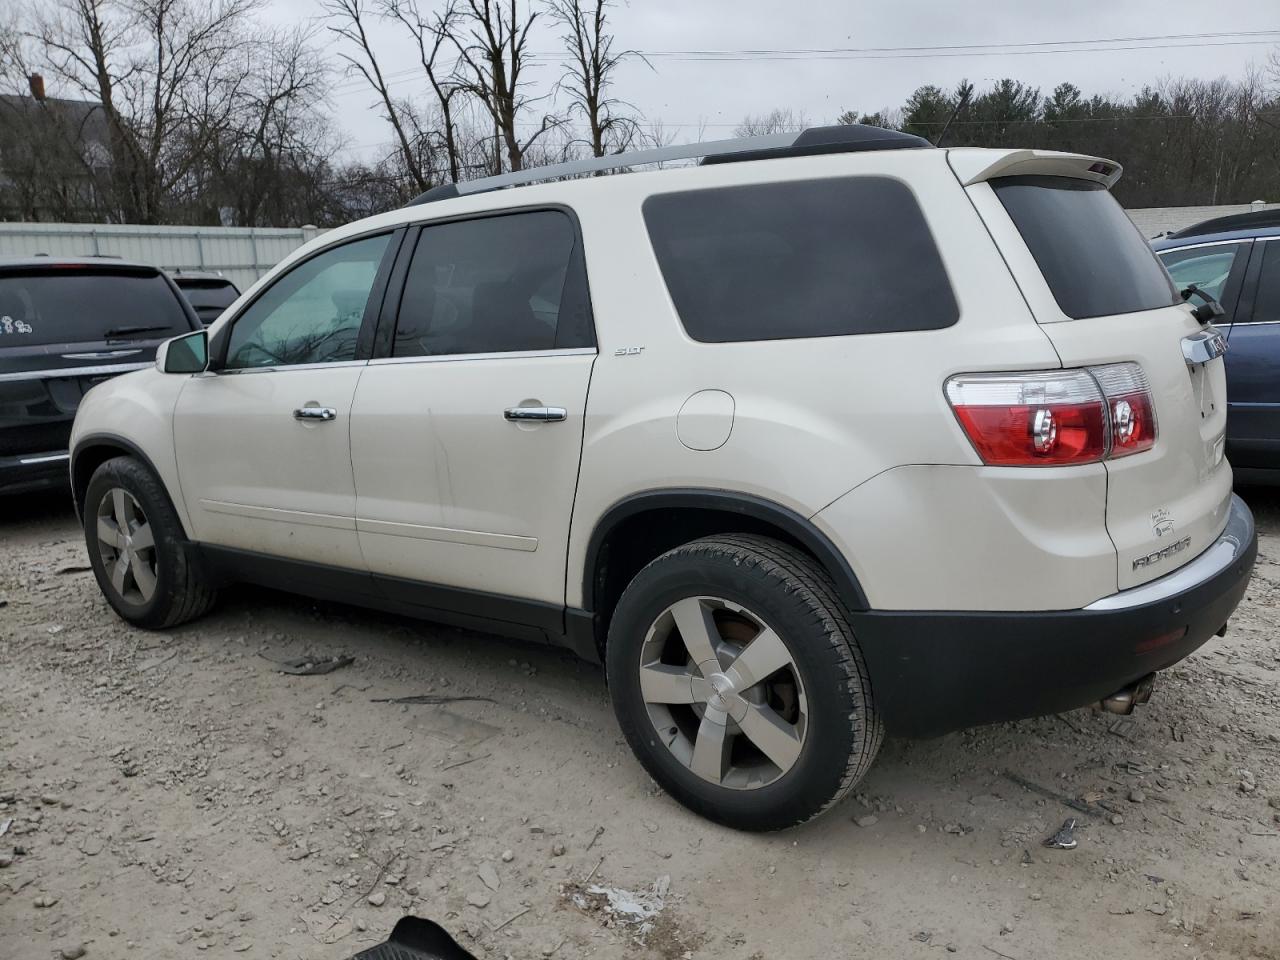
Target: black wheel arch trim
(110, 440)
(795, 525)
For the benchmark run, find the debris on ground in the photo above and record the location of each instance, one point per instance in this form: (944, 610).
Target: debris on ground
(616, 906)
(1064, 839)
(429, 698)
(311, 665)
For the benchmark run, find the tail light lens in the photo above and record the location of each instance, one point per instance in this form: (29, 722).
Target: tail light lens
(1132, 414)
(1055, 417)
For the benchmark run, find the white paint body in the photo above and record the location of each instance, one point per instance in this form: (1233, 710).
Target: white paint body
(421, 477)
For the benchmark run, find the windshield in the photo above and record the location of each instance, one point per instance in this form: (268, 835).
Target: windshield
(73, 306)
(1090, 253)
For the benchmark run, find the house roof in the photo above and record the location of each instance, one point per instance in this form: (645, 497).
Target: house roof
(79, 122)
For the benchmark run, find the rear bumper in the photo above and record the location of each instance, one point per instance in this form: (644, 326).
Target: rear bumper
(34, 471)
(935, 672)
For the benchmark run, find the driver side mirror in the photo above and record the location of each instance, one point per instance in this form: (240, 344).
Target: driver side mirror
(186, 354)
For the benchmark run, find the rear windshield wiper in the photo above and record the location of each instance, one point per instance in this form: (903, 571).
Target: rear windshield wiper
(115, 333)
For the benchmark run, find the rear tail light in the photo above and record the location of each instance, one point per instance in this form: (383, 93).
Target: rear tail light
(1133, 415)
(1055, 417)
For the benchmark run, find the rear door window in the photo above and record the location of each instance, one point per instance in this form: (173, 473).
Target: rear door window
(67, 305)
(812, 258)
(498, 284)
(1093, 258)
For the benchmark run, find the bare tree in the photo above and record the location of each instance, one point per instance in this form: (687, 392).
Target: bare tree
(778, 120)
(592, 63)
(152, 66)
(275, 130)
(492, 39)
(348, 18)
(430, 34)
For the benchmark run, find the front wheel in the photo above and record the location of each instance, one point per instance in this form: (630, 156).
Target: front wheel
(739, 684)
(139, 554)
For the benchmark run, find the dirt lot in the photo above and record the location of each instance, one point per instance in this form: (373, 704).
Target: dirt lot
(176, 795)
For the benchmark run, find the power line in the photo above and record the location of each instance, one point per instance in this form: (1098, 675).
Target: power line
(1024, 48)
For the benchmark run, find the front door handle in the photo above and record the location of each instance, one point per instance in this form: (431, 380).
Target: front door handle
(324, 414)
(541, 414)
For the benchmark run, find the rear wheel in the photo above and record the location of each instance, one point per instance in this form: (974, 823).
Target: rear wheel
(739, 684)
(139, 554)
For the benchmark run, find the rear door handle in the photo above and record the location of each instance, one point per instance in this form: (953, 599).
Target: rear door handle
(543, 414)
(324, 414)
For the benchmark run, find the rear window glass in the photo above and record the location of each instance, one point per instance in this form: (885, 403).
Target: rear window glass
(70, 306)
(812, 258)
(1092, 256)
(209, 299)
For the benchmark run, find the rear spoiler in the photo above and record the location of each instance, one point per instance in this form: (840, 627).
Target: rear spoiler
(976, 165)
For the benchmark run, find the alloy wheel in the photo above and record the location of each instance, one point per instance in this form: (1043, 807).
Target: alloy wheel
(127, 546)
(723, 693)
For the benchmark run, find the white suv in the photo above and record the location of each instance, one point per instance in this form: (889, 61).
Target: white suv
(824, 438)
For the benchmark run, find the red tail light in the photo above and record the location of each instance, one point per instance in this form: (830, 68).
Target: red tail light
(1055, 417)
(1133, 415)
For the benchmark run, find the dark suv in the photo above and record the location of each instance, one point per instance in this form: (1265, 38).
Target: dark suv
(1236, 260)
(65, 325)
(209, 293)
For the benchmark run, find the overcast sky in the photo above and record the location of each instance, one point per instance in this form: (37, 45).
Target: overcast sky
(684, 92)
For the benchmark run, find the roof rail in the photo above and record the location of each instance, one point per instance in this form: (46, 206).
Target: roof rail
(1254, 219)
(844, 138)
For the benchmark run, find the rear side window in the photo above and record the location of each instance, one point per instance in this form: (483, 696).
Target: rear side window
(1093, 258)
(77, 306)
(811, 258)
(495, 285)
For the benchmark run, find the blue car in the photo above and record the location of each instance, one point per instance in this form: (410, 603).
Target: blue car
(1236, 260)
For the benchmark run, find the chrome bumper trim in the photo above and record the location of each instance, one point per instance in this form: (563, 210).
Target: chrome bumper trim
(1234, 540)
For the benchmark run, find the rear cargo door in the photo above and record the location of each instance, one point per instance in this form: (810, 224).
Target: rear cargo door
(1102, 297)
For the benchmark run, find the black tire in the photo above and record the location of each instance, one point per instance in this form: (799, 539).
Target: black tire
(790, 593)
(181, 591)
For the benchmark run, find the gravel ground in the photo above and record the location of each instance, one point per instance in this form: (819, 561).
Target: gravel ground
(175, 794)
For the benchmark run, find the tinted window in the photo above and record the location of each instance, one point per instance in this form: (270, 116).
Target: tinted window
(1090, 253)
(1207, 267)
(70, 306)
(313, 313)
(1266, 306)
(209, 299)
(818, 258)
(495, 285)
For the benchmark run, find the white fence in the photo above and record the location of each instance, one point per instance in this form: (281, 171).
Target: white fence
(245, 253)
(1156, 221)
(242, 254)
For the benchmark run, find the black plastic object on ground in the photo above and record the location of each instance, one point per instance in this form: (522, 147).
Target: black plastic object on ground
(416, 939)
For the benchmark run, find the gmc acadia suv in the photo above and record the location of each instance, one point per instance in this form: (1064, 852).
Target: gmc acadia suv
(826, 437)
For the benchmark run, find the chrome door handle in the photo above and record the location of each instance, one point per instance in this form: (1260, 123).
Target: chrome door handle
(543, 414)
(323, 414)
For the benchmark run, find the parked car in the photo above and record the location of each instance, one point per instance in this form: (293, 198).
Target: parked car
(1236, 260)
(66, 325)
(209, 293)
(821, 439)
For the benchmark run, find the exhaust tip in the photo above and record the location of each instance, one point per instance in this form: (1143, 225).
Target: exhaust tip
(1123, 701)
